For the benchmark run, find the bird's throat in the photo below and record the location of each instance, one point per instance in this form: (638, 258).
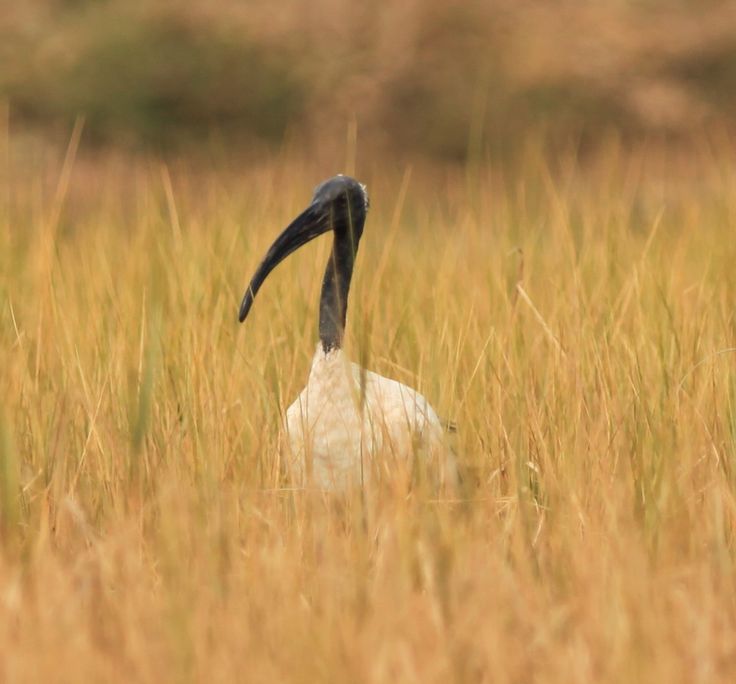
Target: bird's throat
(333, 303)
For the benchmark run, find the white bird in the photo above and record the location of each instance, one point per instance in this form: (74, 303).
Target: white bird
(348, 426)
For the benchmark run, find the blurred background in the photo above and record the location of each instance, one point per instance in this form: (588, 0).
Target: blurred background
(440, 79)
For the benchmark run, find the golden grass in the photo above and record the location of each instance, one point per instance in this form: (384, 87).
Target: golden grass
(575, 320)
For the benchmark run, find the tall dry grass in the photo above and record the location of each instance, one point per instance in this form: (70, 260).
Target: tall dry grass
(576, 321)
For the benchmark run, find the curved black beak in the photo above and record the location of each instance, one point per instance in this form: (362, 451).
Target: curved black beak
(311, 223)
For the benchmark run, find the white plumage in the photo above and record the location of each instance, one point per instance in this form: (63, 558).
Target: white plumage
(342, 433)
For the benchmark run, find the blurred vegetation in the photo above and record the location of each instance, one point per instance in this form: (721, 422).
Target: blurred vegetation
(438, 77)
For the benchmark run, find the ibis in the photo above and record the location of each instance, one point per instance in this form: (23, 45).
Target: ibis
(348, 426)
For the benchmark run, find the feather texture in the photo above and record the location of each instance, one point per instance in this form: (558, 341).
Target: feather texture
(348, 426)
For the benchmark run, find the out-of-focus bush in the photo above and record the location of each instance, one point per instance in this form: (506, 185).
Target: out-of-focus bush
(441, 77)
(155, 78)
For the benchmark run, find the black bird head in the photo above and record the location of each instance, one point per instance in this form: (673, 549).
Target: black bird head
(340, 205)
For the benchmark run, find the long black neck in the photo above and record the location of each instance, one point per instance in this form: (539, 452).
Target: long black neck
(333, 303)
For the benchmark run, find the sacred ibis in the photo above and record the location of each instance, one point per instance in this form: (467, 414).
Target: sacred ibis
(348, 426)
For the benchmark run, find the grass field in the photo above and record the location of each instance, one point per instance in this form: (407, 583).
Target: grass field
(574, 318)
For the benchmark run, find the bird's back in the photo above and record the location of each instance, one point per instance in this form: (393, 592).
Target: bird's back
(349, 427)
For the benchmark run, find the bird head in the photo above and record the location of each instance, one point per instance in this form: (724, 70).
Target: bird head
(339, 204)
